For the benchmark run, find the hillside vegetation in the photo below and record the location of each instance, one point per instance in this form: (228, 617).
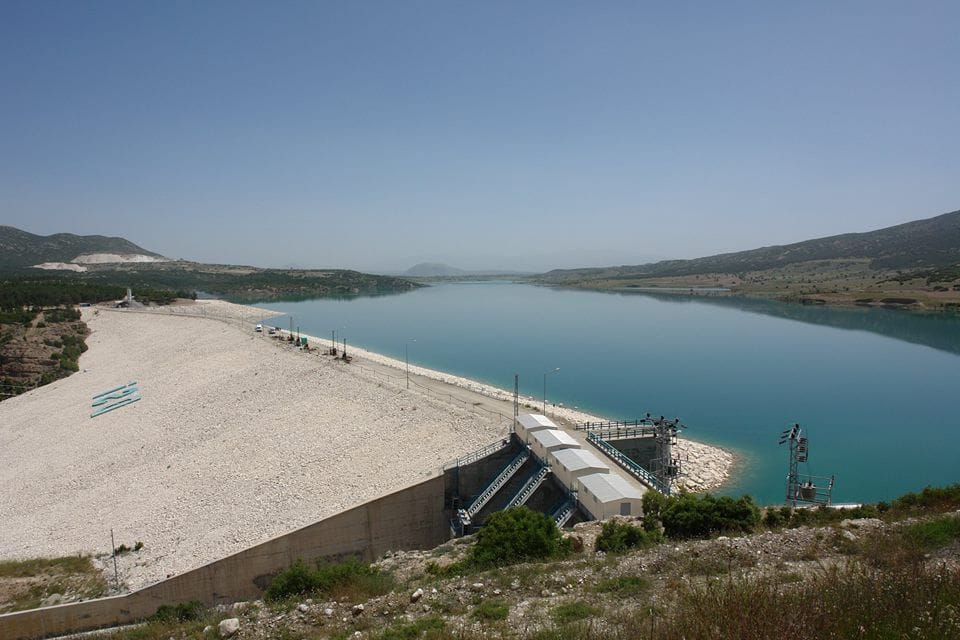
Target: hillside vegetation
(913, 263)
(694, 567)
(20, 249)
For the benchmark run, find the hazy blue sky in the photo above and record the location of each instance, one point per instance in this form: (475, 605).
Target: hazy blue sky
(523, 135)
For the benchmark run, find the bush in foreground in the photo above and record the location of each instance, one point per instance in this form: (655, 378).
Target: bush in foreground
(515, 535)
(350, 578)
(689, 515)
(617, 537)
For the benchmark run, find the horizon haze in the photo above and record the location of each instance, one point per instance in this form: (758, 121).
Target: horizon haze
(375, 136)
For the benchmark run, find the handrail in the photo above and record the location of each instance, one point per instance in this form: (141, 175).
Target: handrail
(610, 433)
(490, 449)
(609, 424)
(497, 484)
(529, 487)
(631, 466)
(564, 512)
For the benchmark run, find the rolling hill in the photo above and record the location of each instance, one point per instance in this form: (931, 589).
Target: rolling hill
(932, 243)
(19, 249)
(915, 264)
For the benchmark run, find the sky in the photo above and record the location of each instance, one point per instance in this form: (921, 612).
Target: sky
(487, 135)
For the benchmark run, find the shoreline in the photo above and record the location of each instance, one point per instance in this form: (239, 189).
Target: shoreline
(715, 463)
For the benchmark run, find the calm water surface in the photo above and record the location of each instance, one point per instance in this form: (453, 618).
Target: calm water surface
(877, 391)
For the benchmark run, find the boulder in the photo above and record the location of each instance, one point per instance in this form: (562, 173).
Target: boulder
(229, 627)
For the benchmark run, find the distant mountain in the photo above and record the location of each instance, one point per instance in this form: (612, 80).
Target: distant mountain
(440, 270)
(433, 270)
(932, 243)
(20, 249)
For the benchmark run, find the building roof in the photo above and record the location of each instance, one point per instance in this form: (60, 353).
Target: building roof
(580, 459)
(554, 438)
(609, 487)
(534, 421)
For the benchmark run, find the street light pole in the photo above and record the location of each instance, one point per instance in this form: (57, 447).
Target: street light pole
(545, 388)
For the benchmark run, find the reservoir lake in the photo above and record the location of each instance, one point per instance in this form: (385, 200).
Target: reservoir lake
(877, 391)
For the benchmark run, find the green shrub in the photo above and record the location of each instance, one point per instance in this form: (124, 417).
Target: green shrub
(490, 610)
(350, 577)
(938, 498)
(427, 627)
(573, 611)
(182, 612)
(295, 580)
(774, 519)
(624, 586)
(933, 534)
(696, 516)
(515, 535)
(617, 537)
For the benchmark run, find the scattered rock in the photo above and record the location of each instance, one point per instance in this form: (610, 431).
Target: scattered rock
(302, 608)
(357, 609)
(328, 612)
(51, 600)
(229, 627)
(477, 586)
(416, 595)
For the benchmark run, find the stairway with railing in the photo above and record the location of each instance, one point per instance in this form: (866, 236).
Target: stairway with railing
(627, 463)
(530, 486)
(564, 512)
(502, 478)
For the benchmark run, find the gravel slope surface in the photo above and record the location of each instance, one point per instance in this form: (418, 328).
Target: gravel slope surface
(236, 440)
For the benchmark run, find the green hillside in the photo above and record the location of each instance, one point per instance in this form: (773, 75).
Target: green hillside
(20, 249)
(933, 243)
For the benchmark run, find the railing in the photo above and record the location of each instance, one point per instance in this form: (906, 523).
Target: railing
(622, 433)
(529, 487)
(618, 429)
(564, 512)
(631, 466)
(488, 450)
(609, 424)
(497, 483)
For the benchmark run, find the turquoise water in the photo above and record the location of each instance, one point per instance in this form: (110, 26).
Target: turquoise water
(876, 390)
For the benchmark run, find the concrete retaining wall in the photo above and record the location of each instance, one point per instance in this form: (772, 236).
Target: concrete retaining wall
(412, 518)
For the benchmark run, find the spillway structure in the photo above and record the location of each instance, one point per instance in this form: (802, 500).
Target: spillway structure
(589, 473)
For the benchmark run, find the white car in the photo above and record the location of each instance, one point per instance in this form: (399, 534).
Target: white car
(258, 328)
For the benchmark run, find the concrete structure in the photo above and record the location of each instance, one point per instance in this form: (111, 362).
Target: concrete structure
(607, 494)
(570, 464)
(412, 518)
(527, 423)
(545, 441)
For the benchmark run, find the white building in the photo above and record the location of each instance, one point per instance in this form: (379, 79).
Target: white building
(527, 423)
(547, 441)
(570, 464)
(607, 494)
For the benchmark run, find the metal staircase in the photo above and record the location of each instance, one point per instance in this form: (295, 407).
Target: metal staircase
(491, 490)
(564, 512)
(529, 487)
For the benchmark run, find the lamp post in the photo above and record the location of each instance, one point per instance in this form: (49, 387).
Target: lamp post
(406, 357)
(545, 388)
